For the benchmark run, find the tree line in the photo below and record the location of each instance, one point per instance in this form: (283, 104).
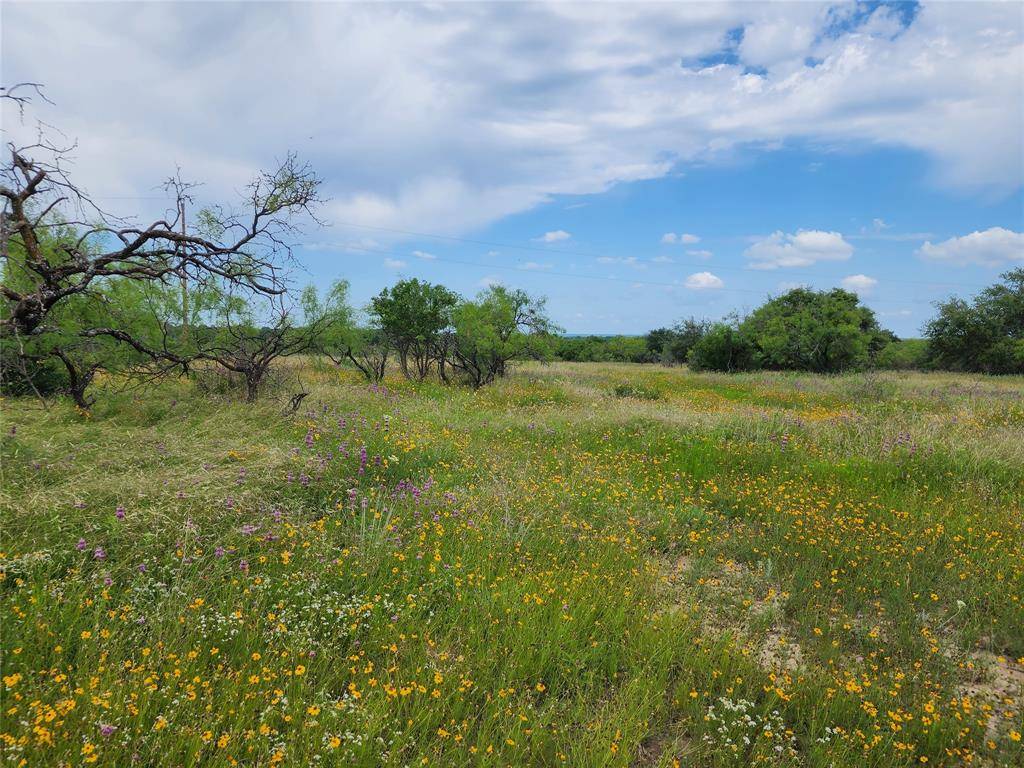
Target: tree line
(86, 293)
(830, 332)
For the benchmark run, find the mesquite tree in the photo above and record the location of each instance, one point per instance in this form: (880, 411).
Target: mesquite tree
(244, 247)
(413, 315)
(247, 338)
(500, 326)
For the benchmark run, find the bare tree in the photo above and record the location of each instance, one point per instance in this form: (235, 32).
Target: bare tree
(243, 247)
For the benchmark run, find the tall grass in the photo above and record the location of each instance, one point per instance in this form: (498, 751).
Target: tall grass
(752, 569)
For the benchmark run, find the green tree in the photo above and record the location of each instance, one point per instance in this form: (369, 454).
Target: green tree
(500, 326)
(722, 348)
(821, 331)
(986, 335)
(77, 339)
(413, 316)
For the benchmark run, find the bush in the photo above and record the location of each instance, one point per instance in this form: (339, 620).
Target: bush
(903, 355)
(722, 348)
(819, 331)
(637, 392)
(673, 345)
(604, 349)
(986, 335)
(48, 376)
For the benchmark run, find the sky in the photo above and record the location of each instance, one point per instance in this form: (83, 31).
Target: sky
(635, 164)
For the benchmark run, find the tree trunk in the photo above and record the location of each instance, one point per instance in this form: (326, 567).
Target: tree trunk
(78, 381)
(253, 379)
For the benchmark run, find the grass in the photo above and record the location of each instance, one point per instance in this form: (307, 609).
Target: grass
(588, 565)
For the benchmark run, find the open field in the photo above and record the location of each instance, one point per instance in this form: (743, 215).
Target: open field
(584, 564)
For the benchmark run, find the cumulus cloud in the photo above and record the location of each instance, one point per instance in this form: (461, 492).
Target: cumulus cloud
(806, 247)
(861, 284)
(686, 238)
(489, 281)
(394, 263)
(992, 248)
(700, 254)
(444, 118)
(424, 255)
(663, 260)
(536, 265)
(702, 281)
(554, 237)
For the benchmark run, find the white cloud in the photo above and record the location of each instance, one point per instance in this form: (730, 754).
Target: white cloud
(536, 265)
(684, 239)
(861, 284)
(992, 248)
(701, 254)
(701, 281)
(424, 255)
(806, 247)
(489, 281)
(663, 260)
(554, 237)
(394, 263)
(444, 118)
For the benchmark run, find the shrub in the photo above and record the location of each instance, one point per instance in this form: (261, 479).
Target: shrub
(722, 348)
(46, 376)
(820, 331)
(986, 335)
(637, 392)
(903, 355)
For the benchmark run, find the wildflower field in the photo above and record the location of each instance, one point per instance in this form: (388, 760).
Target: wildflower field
(584, 564)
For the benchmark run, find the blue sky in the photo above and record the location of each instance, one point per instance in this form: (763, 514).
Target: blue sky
(882, 202)
(634, 163)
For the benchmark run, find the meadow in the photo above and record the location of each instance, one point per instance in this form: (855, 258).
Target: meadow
(582, 564)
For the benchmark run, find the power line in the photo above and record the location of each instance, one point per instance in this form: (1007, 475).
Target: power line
(586, 254)
(583, 254)
(606, 278)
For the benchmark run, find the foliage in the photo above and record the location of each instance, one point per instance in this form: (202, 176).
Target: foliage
(637, 392)
(819, 331)
(603, 349)
(413, 314)
(722, 348)
(903, 355)
(65, 353)
(247, 338)
(501, 325)
(986, 335)
(673, 345)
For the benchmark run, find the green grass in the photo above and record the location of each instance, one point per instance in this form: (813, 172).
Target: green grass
(585, 564)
